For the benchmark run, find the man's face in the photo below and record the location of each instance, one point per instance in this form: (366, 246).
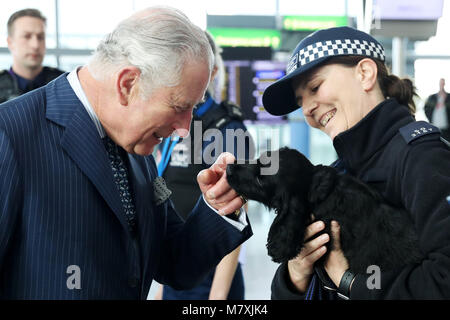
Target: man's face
(27, 42)
(144, 123)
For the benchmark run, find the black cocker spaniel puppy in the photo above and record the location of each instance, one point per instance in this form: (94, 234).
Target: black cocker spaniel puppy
(372, 232)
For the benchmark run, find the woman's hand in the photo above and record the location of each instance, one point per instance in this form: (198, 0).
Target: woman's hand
(302, 267)
(336, 263)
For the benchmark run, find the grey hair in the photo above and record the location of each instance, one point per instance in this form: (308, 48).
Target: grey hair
(216, 87)
(158, 41)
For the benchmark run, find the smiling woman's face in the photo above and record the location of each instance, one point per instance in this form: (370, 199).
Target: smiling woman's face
(332, 98)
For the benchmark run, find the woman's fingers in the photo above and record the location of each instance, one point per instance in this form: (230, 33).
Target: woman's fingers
(301, 267)
(314, 244)
(313, 228)
(315, 255)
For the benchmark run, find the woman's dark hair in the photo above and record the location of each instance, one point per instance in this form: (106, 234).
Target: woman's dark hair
(391, 86)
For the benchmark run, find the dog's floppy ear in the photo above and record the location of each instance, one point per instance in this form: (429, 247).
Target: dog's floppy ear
(286, 234)
(323, 181)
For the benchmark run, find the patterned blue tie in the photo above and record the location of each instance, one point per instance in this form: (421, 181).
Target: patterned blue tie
(120, 173)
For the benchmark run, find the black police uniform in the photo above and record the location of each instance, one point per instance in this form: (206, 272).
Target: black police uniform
(180, 174)
(9, 82)
(409, 163)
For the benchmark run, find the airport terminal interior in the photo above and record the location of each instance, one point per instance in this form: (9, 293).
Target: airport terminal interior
(257, 38)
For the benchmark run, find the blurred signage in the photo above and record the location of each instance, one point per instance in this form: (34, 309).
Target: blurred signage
(308, 23)
(407, 9)
(243, 37)
(413, 19)
(246, 82)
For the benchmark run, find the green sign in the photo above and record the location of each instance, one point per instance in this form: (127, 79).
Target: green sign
(239, 37)
(313, 22)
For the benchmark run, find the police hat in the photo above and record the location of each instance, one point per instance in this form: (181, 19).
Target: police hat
(279, 97)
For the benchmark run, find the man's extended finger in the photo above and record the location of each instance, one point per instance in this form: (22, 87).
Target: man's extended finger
(219, 189)
(206, 178)
(231, 206)
(221, 162)
(226, 197)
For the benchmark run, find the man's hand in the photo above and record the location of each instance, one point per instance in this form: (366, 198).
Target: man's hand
(215, 188)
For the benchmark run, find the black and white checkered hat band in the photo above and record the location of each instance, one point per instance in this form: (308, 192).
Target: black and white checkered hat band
(335, 48)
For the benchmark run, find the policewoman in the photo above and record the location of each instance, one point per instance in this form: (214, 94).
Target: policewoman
(180, 162)
(339, 79)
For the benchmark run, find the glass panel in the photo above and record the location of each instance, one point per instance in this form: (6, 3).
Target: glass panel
(5, 61)
(68, 63)
(195, 10)
(81, 28)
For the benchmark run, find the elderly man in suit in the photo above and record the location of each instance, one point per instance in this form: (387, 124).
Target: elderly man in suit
(82, 212)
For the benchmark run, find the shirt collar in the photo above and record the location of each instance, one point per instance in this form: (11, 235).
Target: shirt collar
(74, 82)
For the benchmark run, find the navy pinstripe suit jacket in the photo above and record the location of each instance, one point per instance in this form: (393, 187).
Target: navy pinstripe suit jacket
(59, 207)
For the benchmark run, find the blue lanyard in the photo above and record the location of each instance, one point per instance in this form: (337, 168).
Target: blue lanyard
(169, 144)
(204, 107)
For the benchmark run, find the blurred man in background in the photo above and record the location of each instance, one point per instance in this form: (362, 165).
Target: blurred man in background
(26, 42)
(437, 110)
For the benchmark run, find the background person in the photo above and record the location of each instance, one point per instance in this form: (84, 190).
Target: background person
(437, 110)
(84, 215)
(339, 79)
(226, 280)
(26, 42)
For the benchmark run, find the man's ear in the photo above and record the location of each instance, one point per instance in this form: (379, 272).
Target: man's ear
(9, 42)
(126, 84)
(367, 72)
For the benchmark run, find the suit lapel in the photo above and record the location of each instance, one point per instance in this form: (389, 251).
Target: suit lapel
(142, 184)
(82, 142)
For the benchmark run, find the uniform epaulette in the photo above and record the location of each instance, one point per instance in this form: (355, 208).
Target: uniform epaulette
(417, 129)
